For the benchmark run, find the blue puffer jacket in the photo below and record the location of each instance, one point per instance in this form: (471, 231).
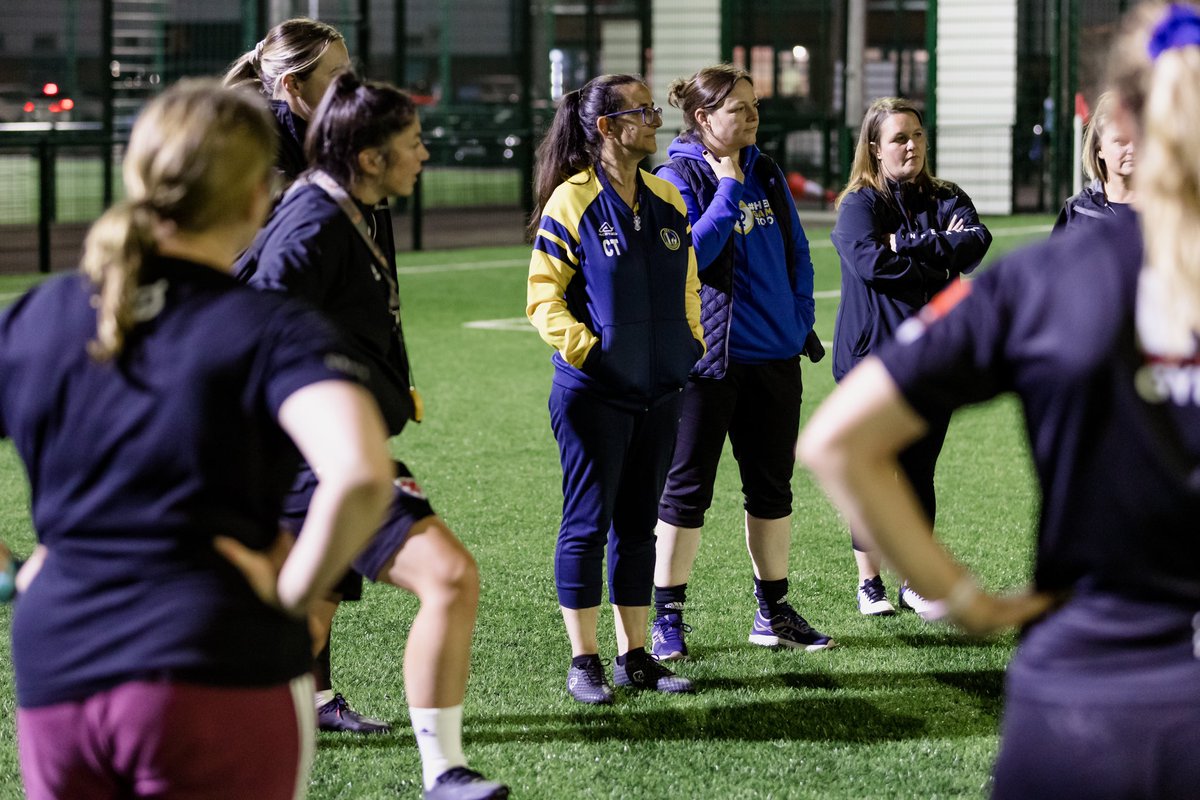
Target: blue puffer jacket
(880, 287)
(752, 254)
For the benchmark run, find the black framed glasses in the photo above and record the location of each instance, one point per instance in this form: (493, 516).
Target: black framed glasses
(650, 116)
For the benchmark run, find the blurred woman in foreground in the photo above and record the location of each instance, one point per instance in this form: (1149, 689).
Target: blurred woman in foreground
(1102, 350)
(152, 399)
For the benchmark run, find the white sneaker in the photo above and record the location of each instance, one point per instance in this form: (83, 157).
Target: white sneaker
(872, 599)
(928, 610)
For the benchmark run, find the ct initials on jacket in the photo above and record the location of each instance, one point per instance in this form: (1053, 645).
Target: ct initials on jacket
(605, 274)
(882, 288)
(752, 255)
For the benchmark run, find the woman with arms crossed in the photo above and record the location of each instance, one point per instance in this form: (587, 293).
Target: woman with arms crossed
(1097, 333)
(165, 398)
(757, 311)
(613, 289)
(902, 236)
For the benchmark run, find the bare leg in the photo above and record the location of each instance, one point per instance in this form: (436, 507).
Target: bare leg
(320, 622)
(868, 564)
(435, 566)
(581, 629)
(631, 624)
(769, 542)
(675, 553)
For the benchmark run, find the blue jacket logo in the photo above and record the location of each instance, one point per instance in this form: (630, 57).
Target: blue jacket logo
(670, 238)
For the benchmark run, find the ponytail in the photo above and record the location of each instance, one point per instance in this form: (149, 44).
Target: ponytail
(116, 247)
(246, 71)
(355, 115)
(196, 159)
(293, 47)
(1157, 74)
(573, 142)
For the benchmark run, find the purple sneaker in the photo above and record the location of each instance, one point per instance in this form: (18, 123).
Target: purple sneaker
(666, 637)
(337, 715)
(640, 671)
(787, 629)
(587, 683)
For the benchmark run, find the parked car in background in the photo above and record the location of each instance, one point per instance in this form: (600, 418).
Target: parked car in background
(484, 136)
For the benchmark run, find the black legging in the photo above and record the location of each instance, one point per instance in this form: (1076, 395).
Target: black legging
(917, 462)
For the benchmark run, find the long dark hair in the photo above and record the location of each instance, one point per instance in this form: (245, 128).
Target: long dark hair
(355, 115)
(573, 142)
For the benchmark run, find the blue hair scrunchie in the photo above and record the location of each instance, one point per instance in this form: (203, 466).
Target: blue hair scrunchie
(1179, 28)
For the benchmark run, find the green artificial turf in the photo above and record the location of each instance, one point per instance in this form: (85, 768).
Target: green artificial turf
(901, 709)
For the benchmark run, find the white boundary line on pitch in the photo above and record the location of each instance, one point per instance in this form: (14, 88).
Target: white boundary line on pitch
(466, 266)
(522, 324)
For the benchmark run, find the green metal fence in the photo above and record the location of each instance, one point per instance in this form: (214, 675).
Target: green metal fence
(487, 74)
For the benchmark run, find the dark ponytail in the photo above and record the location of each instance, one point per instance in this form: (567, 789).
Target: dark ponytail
(573, 142)
(353, 116)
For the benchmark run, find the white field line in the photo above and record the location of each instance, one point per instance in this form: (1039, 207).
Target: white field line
(522, 324)
(466, 266)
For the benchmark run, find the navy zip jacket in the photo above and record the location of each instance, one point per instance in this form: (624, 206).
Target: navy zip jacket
(882, 288)
(310, 249)
(1089, 207)
(289, 152)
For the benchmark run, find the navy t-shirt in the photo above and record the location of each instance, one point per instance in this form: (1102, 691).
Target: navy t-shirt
(1115, 431)
(136, 464)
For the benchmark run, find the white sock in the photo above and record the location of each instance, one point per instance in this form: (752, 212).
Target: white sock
(323, 697)
(439, 738)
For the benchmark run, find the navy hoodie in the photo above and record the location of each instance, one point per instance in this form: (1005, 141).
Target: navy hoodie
(770, 315)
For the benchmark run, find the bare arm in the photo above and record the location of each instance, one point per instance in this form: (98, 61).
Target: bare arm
(339, 431)
(852, 444)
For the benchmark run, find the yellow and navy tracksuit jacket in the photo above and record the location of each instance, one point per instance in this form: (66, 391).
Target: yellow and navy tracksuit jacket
(614, 290)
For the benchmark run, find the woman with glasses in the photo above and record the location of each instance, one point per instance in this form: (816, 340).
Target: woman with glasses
(1108, 161)
(1097, 333)
(757, 311)
(903, 236)
(613, 289)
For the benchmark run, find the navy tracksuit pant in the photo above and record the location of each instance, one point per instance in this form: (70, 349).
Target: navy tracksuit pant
(614, 462)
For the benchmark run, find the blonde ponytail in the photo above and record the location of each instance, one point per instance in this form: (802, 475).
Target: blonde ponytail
(195, 159)
(1168, 182)
(1156, 71)
(116, 246)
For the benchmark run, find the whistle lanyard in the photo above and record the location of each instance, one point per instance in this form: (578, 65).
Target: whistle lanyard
(379, 264)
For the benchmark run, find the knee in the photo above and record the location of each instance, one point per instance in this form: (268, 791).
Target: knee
(451, 579)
